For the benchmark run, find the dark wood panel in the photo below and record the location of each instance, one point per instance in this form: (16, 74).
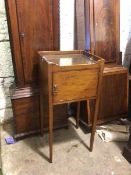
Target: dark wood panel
(26, 105)
(56, 24)
(26, 114)
(105, 28)
(36, 33)
(26, 111)
(114, 96)
(87, 25)
(27, 122)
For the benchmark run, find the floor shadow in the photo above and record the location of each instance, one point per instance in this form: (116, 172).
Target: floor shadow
(8, 126)
(37, 142)
(60, 136)
(121, 145)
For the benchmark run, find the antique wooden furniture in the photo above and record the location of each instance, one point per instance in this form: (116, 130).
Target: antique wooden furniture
(127, 149)
(69, 76)
(114, 96)
(26, 110)
(103, 39)
(34, 25)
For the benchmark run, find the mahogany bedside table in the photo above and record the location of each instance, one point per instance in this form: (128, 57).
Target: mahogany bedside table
(68, 76)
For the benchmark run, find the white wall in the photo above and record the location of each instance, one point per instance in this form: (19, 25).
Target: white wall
(125, 31)
(66, 24)
(6, 68)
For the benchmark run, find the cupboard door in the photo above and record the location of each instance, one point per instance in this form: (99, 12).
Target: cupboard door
(35, 32)
(106, 28)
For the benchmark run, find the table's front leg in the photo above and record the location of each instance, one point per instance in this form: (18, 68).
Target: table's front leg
(50, 112)
(50, 132)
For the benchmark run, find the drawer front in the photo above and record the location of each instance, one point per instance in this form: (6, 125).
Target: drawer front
(27, 122)
(74, 85)
(30, 121)
(27, 115)
(26, 105)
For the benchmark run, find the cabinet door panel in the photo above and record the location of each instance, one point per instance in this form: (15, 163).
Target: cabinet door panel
(71, 85)
(35, 30)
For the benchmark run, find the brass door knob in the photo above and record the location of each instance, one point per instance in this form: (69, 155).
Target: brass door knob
(55, 88)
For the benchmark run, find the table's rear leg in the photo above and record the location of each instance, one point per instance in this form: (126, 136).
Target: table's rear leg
(78, 115)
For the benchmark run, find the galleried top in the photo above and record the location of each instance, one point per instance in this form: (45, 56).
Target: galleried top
(69, 59)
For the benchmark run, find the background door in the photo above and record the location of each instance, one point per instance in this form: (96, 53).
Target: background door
(105, 31)
(35, 22)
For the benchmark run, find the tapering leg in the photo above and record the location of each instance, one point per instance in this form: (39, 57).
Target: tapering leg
(41, 116)
(41, 124)
(78, 115)
(42, 128)
(88, 111)
(51, 134)
(94, 125)
(97, 102)
(92, 135)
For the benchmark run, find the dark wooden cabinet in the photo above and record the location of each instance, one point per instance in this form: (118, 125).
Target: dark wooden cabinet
(33, 26)
(26, 110)
(114, 96)
(103, 23)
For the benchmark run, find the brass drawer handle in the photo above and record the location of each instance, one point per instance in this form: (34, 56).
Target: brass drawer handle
(55, 88)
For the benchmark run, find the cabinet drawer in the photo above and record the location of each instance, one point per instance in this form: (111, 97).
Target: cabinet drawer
(27, 122)
(26, 105)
